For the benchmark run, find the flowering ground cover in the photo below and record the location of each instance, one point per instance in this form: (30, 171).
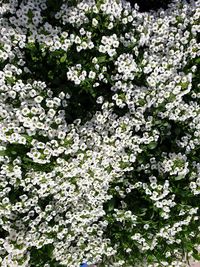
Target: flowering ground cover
(99, 133)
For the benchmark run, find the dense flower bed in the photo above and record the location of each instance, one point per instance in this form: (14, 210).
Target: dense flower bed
(100, 133)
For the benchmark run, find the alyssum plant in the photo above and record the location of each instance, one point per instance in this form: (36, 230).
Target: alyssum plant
(99, 134)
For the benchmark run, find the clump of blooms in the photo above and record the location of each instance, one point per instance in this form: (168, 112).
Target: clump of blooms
(99, 134)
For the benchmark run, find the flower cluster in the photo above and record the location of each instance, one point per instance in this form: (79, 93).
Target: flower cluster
(99, 134)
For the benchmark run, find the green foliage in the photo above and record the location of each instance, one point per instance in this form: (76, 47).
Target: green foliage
(42, 256)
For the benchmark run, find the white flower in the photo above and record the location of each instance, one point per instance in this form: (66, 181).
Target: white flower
(38, 99)
(92, 75)
(102, 49)
(94, 22)
(77, 40)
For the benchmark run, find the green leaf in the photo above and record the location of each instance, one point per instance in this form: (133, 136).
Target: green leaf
(2, 152)
(140, 159)
(111, 204)
(197, 60)
(177, 131)
(179, 177)
(143, 211)
(10, 80)
(184, 85)
(50, 75)
(30, 14)
(196, 254)
(63, 58)
(101, 59)
(152, 145)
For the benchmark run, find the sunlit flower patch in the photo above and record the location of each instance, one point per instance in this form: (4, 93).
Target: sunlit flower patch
(99, 134)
